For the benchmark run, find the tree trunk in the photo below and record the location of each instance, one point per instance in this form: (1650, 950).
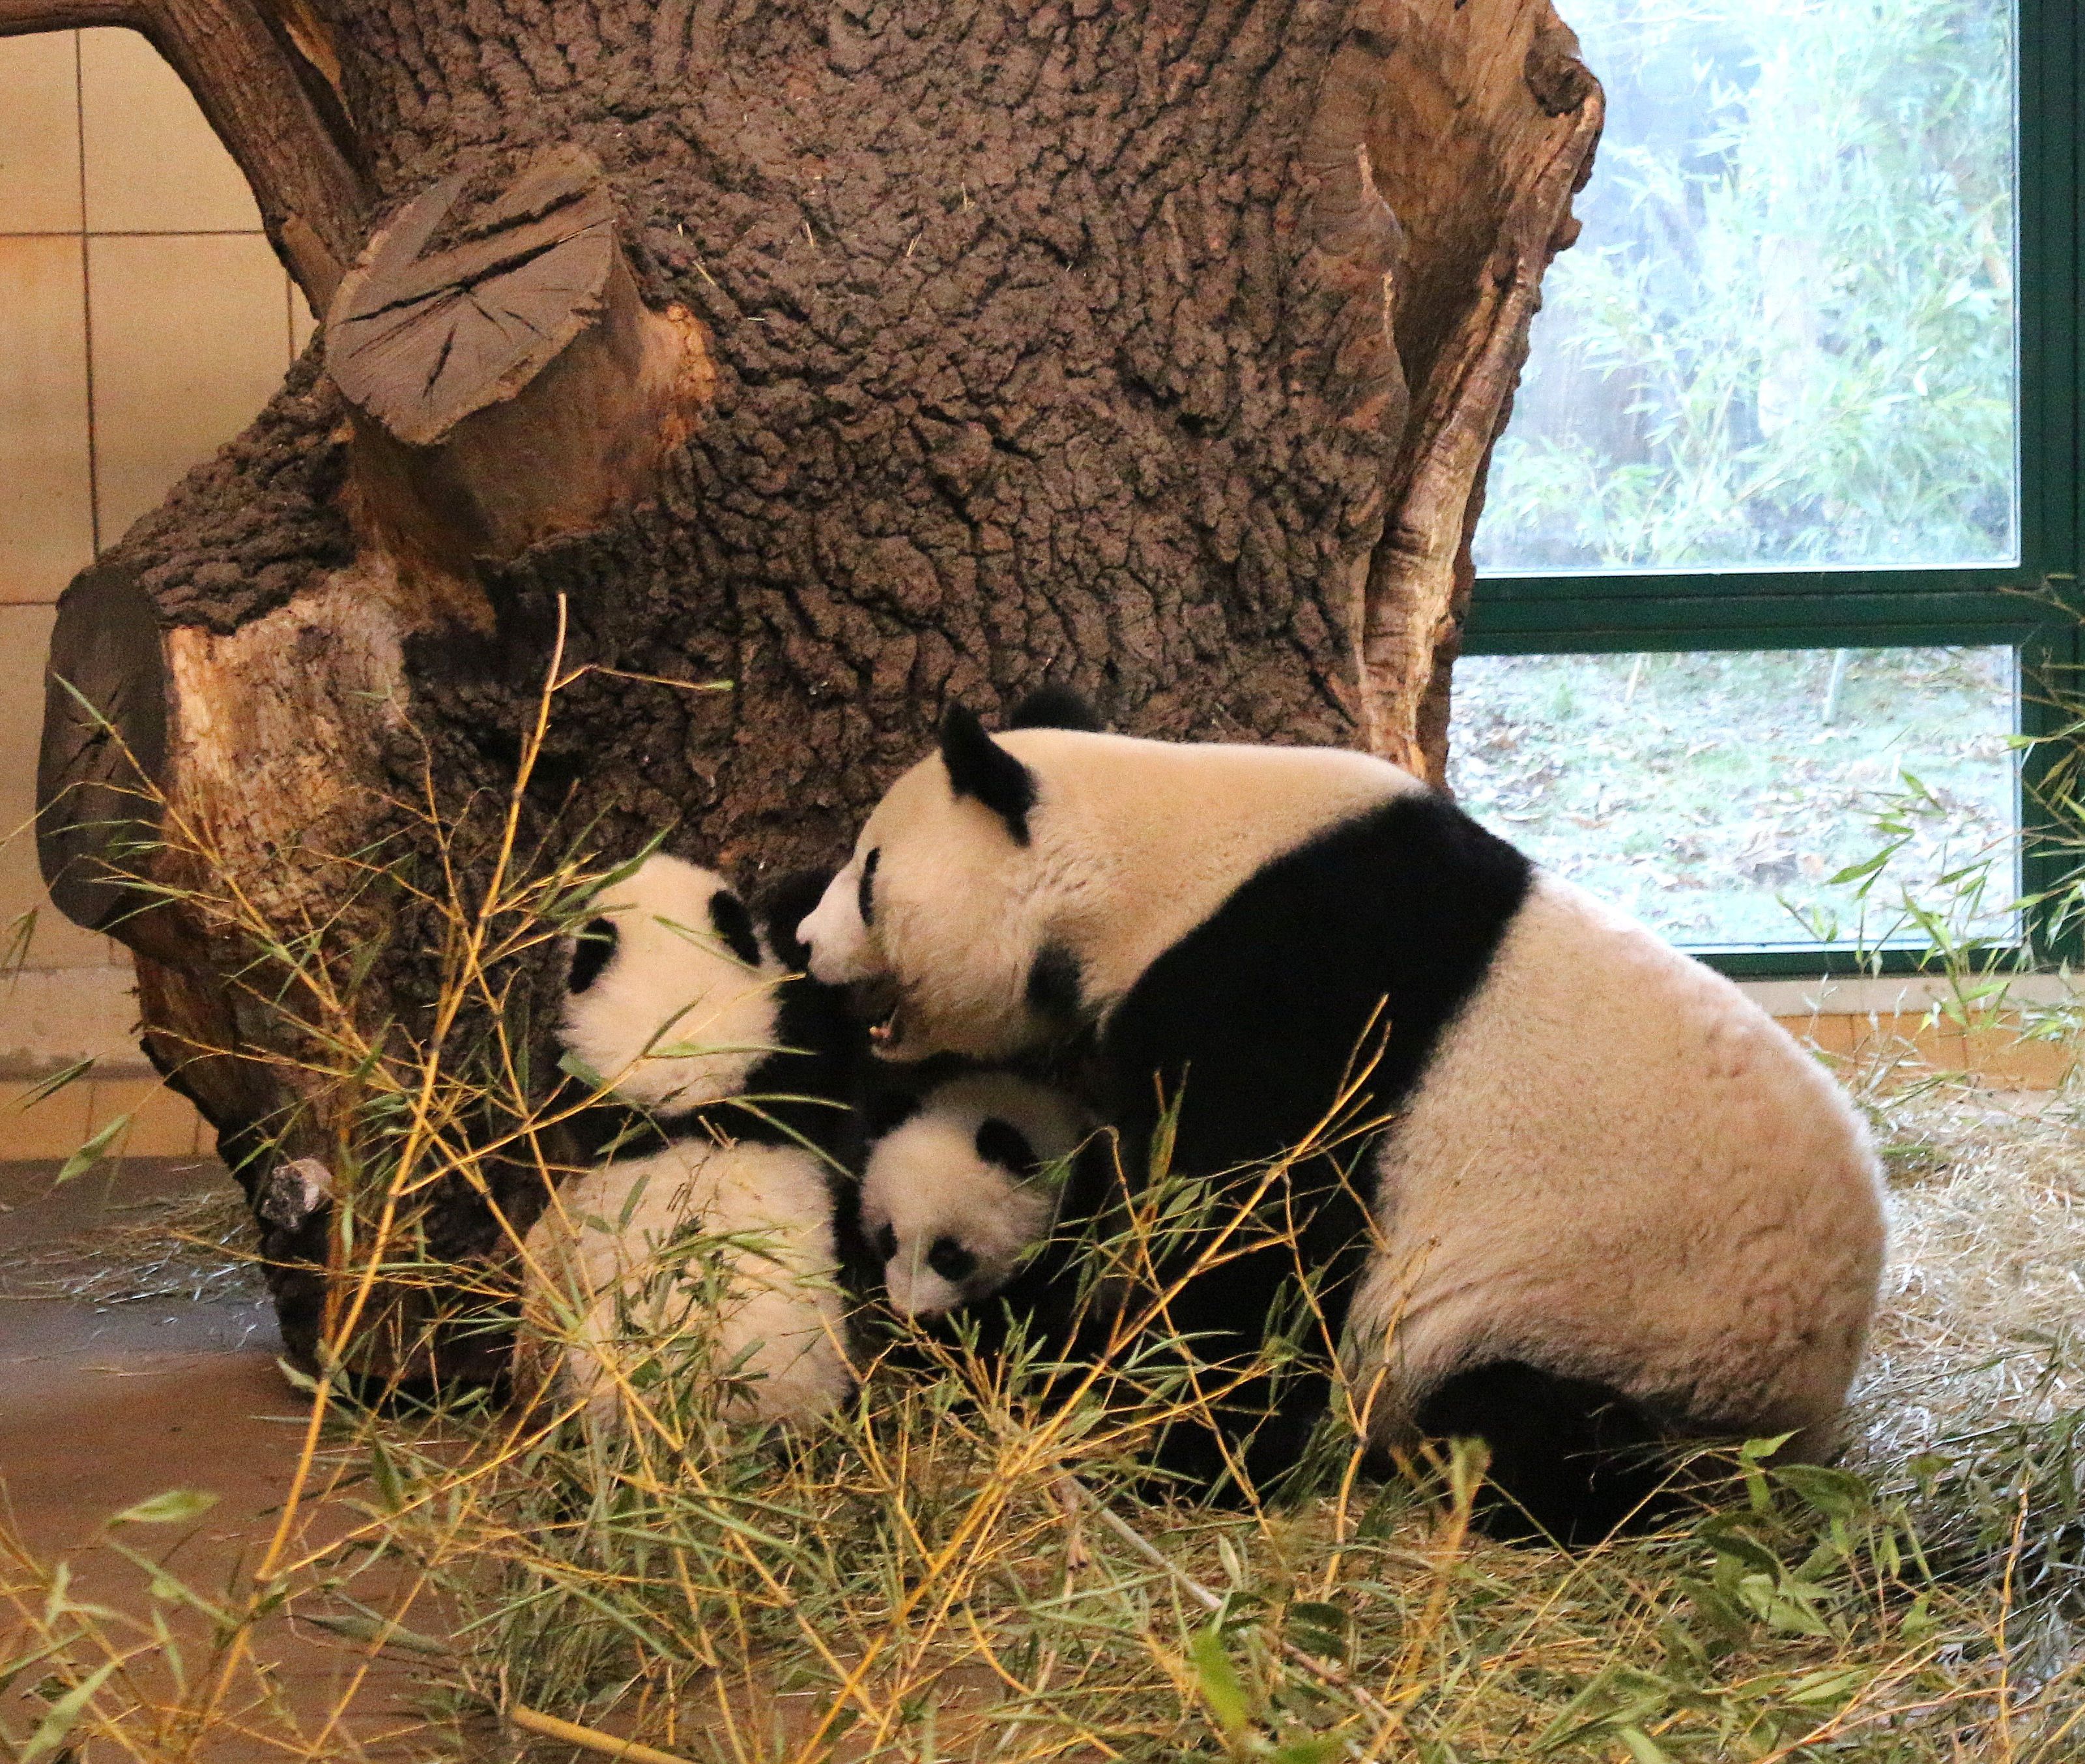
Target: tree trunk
(811, 367)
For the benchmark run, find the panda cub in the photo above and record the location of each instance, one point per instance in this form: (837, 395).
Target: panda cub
(955, 1192)
(1598, 1201)
(715, 1061)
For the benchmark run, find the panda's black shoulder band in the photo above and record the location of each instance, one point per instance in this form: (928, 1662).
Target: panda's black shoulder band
(979, 767)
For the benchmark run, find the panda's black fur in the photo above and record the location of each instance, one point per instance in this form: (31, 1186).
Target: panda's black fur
(1053, 707)
(1569, 1458)
(822, 1051)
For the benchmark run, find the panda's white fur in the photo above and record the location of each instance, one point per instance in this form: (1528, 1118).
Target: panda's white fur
(624, 1263)
(1615, 1153)
(1611, 1162)
(934, 1185)
(676, 1016)
(1135, 843)
(675, 1019)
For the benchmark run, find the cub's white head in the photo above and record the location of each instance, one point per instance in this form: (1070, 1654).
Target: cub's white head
(671, 1000)
(954, 1195)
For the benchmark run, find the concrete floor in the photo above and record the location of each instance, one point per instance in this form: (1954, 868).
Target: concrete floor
(102, 1406)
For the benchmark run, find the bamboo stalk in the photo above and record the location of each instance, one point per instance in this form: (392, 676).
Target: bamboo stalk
(589, 1739)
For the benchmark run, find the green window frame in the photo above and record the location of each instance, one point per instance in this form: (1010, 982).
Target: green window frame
(2032, 606)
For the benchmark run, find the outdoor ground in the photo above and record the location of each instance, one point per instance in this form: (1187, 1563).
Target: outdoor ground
(1598, 765)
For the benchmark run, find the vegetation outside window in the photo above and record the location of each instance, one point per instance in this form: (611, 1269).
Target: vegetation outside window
(1806, 389)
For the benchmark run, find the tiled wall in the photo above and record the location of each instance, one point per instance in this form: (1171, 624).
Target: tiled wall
(143, 320)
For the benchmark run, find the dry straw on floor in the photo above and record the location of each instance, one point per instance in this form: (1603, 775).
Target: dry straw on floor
(201, 1248)
(1983, 1315)
(927, 1583)
(949, 1571)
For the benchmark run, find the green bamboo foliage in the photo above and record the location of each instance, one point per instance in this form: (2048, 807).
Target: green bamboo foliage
(1786, 335)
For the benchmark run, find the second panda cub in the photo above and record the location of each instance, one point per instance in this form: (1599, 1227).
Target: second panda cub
(707, 1216)
(956, 1191)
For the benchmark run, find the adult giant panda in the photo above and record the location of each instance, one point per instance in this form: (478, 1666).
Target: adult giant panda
(708, 1216)
(1616, 1204)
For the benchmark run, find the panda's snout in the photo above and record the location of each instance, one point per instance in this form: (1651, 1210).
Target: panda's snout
(833, 933)
(916, 1292)
(807, 936)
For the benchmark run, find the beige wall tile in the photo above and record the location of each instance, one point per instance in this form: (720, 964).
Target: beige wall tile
(40, 133)
(53, 1128)
(162, 1125)
(25, 637)
(50, 1017)
(46, 526)
(152, 163)
(188, 344)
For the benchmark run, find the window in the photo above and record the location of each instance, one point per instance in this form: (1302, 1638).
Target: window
(1716, 796)
(1793, 467)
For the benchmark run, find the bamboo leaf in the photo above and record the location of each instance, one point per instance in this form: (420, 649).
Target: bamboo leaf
(175, 1506)
(89, 1154)
(1221, 1688)
(64, 1714)
(1642, 1747)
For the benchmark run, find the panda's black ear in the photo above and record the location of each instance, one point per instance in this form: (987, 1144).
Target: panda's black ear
(886, 1111)
(978, 767)
(1054, 707)
(592, 950)
(733, 925)
(1002, 1143)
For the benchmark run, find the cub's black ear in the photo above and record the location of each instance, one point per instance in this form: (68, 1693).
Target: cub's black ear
(733, 925)
(1002, 1143)
(783, 905)
(1054, 707)
(978, 767)
(887, 1111)
(592, 950)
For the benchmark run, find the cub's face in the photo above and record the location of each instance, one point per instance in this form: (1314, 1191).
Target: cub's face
(670, 999)
(940, 920)
(949, 1209)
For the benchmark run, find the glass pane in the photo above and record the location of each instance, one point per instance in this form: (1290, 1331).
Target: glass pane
(1716, 797)
(1786, 334)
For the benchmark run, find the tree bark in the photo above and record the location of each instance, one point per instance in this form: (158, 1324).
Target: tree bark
(812, 367)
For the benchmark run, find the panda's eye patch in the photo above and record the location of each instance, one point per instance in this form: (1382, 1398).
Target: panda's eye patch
(865, 891)
(591, 951)
(950, 1260)
(733, 925)
(886, 1242)
(1002, 1143)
